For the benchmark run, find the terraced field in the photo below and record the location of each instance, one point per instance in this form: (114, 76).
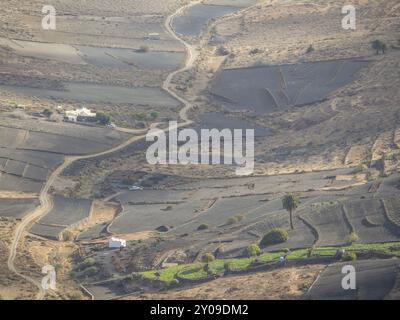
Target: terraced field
(66, 213)
(193, 21)
(309, 116)
(30, 150)
(365, 217)
(375, 280)
(149, 217)
(16, 208)
(269, 89)
(326, 219)
(214, 201)
(235, 197)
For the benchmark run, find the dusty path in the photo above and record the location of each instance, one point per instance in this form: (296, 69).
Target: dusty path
(44, 197)
(192, 54)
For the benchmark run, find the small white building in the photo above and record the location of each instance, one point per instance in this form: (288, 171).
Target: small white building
(82, 114)
(116, 243)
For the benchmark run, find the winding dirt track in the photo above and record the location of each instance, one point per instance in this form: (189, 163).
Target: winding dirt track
(192, 54)
(44, 197)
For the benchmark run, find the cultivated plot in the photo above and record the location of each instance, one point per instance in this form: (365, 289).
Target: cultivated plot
(276, 88)
(51, 232)
(46, 51)
(14, 183)
(369, 219)
(374, 281)
(153, 197)
(122, 58)
(137, 218)
(16, 208)
(330, 224)
(196, 18)
(97, 93)
(65, 213)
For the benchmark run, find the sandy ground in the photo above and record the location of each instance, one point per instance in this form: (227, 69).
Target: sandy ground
(282, 30)
(355, 124)
(338, 132)
(290, 283)
(330, 134)
(35, 253)
(11, 286)
(102, 212)
(17, 195)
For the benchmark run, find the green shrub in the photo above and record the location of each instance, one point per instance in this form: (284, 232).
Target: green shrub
(91, 271)
(222, 51)
(390, 156)
(253, 250)
(88, 262)
(310, 251)
(143, 49)
(310, 49)
(58, 268)
(239, 217)
(349, 256)
(103, 118)
(67, 236)
(174, 282)
(228, 266)
(275, 236)
(141, 116)
(234, 219)
(47, 112)
(207, 257)
(360, 168)
(203, 226)
(231, 220)
(255, 51)
(353, 237)
(379, 46)
(153, 115)
(75, 295)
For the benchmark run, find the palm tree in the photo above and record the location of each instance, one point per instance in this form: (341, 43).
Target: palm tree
(379, 46)
(290, 202)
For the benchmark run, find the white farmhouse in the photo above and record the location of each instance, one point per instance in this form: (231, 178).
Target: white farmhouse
(116, 243)
(82, 114)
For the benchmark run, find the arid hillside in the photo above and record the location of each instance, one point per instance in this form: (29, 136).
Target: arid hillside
(324, 104)
(354, 123)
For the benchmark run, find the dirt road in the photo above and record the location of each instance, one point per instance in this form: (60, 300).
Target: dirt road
(44, 197)
(192, 54)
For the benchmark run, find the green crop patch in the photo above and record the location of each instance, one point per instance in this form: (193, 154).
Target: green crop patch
(197, 271)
